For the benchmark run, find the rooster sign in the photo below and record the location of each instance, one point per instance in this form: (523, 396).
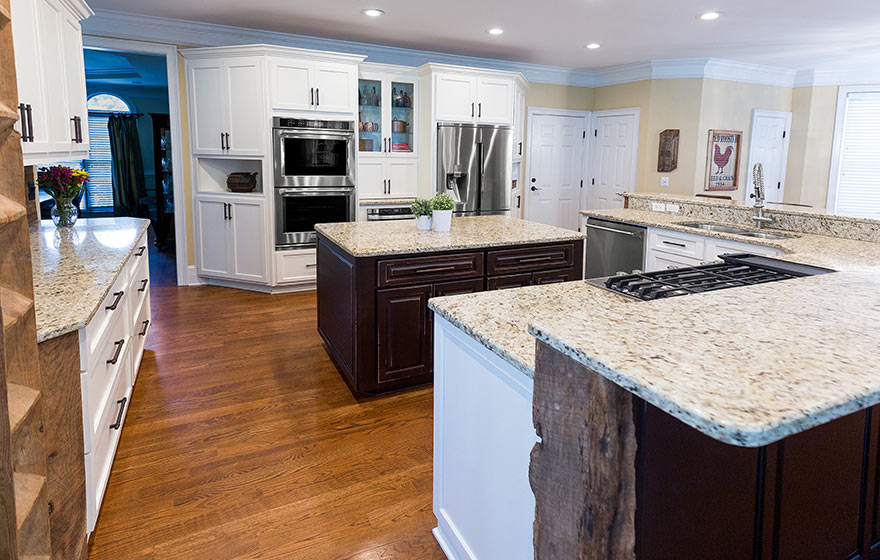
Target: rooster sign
(722, 168)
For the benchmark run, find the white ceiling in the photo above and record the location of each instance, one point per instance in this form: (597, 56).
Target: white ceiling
(794, 34)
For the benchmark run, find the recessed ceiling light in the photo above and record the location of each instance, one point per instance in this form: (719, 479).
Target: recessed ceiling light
(709, 16)
(496, 31)
(372, 12)
(593, 46)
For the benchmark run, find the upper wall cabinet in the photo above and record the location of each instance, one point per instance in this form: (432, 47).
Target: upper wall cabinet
(306, 85)
(474, 98)
(51, 79)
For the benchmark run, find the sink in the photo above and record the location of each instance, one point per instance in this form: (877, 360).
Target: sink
(736, 230)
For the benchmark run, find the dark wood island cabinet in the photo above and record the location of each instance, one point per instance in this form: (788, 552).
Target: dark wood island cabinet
(373, 305)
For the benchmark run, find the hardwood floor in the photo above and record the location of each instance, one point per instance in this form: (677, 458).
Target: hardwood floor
(242, 441)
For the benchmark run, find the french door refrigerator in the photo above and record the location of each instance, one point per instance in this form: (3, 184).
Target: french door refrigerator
(473, 167)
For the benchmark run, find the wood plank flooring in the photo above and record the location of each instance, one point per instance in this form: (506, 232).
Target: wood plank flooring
(242, 441)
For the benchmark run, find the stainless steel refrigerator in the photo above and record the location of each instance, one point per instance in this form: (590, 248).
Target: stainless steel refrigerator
(473, 167)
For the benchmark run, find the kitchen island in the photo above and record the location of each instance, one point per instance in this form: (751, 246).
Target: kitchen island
(730, 424)
(375, 280)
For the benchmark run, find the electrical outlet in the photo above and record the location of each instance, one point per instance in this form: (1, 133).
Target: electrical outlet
(664, 181)
(674, 208)
(658, 207)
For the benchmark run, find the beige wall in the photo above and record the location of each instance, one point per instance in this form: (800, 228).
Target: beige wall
(814, 111)
(186, 167)
(559, 97)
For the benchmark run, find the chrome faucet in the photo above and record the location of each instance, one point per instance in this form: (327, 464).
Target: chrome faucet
(758, 178)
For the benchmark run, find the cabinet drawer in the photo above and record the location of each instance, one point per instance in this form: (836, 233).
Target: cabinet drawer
(140, 286)
(509, 281)
(111, 361)
(141, 329)
(553, 276)
(663, 261)
(716, 247)
(99, 459)
(676, 243)
(114, 309)
(507, 261)
(139, 256)
(458, 287)
(297, 267)
(423, 270)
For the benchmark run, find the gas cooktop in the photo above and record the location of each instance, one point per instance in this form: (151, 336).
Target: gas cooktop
(738, 269)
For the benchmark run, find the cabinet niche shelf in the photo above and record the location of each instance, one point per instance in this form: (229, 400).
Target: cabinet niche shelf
(211, 174)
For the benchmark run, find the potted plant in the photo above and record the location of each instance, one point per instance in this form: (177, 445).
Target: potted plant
(421, 208)
(442, 205)
(63, 184)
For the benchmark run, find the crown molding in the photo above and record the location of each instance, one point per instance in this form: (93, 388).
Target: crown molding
(696, 68)
(864, 75)
(264, 49)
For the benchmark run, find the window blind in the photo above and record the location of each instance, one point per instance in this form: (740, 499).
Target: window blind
(858, 182)
(99, 191)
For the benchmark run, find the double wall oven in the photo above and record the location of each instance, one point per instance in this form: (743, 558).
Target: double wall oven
(314, 178)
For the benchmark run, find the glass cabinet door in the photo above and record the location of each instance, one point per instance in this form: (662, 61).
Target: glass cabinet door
(370, 135)
(402, 103)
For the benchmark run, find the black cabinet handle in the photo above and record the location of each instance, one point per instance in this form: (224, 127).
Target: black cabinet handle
(23, 111)
(228, 143)
(682, 245)
(118, 344)
(74, 139)
(224, 211)
(479, 110)
(144, 283)
(230, 210)
(472, 109)
(141, 250)
(389, 186)
(30, 122)
(222, 141)
(312, 96)
(119, 294)
(118, 422)
(146, 325)
(79, 130)
(520, 148)
(317, 96)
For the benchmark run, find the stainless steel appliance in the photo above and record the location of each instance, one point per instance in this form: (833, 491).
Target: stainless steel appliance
(297, 210)
(736, 269)
(312, 153)
(384, 214)
(473, 167)
(614, 248)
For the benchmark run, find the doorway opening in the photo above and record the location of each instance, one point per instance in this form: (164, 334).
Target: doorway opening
(768, 145)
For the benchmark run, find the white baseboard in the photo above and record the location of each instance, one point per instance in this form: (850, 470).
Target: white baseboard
(192, 276)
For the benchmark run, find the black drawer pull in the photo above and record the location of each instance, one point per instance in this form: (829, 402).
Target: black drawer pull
(119, 294)
(141, 250)
(144, 283)
(146, 325)
(118, 344)
(435, 269)
(118, 423)
(539, 259)
(682, 245)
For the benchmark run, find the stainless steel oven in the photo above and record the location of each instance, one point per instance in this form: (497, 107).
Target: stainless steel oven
(312, 153)
(297, 210)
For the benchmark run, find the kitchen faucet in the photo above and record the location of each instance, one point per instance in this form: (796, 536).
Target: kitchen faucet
(758, 178)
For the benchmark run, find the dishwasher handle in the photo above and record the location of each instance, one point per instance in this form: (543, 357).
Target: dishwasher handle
(635, 234)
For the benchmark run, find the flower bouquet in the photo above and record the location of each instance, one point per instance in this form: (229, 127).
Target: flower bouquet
(63, 184)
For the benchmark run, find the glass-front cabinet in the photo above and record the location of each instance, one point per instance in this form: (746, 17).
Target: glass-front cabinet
(387, 108)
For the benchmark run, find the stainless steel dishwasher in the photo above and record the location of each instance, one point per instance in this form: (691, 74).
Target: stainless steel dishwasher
(614, 248)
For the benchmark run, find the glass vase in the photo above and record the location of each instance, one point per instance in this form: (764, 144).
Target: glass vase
(64, 213)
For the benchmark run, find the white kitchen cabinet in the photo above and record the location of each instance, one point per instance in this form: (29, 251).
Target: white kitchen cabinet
(477, 99)
(655, 260)
(306, 85)
(388, 178)
(403, 178)
(495, 97)
(227, 106)
(51, 79)
(674, 249)
(716, 247)
(519, 123)
(372, 181)
(232, 237)
(296, 267)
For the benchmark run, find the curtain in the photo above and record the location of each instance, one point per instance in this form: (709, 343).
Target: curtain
(129, 190)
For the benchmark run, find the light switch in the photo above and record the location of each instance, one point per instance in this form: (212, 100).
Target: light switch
(664, 181)
(674, 208)
(658, 207)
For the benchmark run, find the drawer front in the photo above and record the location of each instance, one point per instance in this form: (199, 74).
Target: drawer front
(509, 281)
(142, 326)
(111, 362)
(114, 309)
(140, 285)
(664, 261)
(507, 261)
(299, 267)
(423, 270)
(676, 243)
(99, 459)
(458, 287)
(553, 276)
(716, 247)
(139, 256)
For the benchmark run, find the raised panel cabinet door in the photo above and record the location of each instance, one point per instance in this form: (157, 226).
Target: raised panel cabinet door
(30, 79)
(455, 98)
(246, 116)
(213, 241)
(459, 287)
(335, 87)
(403, 177)
(495, 101)
(51, 18)
(403, 323)
(372, 181)
(508, 281)
(519, 124)
(75, 75)
(248, 241)
(291, 85)
(207, 102)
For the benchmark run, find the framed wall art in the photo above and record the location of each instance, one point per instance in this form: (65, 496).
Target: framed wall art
(667, 157)
(722, 167)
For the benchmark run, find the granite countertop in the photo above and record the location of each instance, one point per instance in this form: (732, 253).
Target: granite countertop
(74, 268)
(747, 366)
(400, 237)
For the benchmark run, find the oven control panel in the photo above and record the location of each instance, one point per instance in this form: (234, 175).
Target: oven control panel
(283, 122)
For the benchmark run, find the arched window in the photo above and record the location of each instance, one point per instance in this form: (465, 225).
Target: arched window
(108, 102)
(99, 192)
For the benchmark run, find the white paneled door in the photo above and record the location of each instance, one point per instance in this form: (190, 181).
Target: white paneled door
(614, 155)
(556, 157)
(769, 145)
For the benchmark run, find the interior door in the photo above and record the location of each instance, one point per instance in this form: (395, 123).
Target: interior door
(455, 98)
(769, 145)
(614, 156)
(291, 85)
(74, 67)
(334, 87)
(27, 64)
(556, 155)
(248, 240)
(208, 102)
(213, 237)
(50, 20)
(246, 117)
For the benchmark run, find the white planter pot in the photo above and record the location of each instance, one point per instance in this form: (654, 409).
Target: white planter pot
(442, 220)
(424, 223)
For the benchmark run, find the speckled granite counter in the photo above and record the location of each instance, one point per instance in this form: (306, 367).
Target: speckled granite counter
(385, 201)
(369, 239)
(747, 366)
(74, 269)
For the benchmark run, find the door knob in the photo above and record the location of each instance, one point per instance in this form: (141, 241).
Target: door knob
(534, 188)
(533, 179)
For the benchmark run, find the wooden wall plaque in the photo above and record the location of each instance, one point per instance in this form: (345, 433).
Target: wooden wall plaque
(667, 158)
